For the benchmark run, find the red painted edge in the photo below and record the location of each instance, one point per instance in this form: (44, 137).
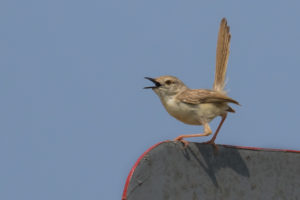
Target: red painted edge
(259, 148)
(124, 196)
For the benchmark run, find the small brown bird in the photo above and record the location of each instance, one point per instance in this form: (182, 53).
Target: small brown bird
(198, 106)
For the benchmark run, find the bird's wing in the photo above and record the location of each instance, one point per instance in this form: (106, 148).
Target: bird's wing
(204, 96)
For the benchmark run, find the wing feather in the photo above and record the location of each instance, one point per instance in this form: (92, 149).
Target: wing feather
(198, 96)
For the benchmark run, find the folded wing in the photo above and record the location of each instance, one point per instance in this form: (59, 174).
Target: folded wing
(198, 96)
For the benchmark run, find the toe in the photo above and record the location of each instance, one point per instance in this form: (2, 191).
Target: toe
(179, 138)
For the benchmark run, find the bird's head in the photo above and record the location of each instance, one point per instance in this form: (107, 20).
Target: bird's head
(165, 86)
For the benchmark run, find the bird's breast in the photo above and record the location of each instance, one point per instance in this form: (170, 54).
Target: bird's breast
(193, 114)
(183, 112)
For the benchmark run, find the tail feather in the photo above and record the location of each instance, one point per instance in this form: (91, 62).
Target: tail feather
(223, 45)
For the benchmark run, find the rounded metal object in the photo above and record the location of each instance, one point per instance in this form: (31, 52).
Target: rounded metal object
(168, 171)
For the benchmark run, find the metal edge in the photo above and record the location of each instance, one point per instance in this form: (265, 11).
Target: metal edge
(259, 148)
(124, 196)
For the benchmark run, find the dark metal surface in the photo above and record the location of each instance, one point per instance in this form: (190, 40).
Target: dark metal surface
(171, 172)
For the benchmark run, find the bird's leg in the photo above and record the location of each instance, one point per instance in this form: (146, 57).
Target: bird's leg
(207, 131)
(212, 140)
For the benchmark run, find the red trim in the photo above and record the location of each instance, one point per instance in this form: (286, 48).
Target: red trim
(259, 148)
(124, 196)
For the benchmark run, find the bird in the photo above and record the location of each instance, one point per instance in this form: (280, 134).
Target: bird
(199, 106)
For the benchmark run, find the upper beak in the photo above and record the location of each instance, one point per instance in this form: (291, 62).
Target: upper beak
(157, 84)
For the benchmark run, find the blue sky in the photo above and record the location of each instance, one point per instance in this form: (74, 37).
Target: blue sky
(74, 115)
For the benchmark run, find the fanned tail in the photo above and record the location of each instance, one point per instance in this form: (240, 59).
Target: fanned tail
(223, 45)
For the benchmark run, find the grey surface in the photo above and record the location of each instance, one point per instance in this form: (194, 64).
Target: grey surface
(170, 172)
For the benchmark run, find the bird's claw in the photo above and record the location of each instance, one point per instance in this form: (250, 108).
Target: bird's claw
(212, 143)
(180, 139)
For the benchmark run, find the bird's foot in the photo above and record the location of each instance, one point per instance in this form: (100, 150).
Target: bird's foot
(180, 139)
(212, 142)
(209, 142)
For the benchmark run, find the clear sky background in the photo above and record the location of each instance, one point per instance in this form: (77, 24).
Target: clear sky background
(74, 116)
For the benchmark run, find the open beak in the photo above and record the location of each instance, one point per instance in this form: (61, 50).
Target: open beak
(157, 84)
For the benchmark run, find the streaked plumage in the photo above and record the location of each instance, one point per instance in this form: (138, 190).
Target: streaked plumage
(197, 96)
(198, 106)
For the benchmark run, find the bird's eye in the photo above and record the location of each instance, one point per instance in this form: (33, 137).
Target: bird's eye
(168, 82)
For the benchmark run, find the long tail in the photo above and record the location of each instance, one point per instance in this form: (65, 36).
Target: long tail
(222, 56)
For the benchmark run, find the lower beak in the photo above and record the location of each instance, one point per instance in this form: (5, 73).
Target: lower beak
(157, 84)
